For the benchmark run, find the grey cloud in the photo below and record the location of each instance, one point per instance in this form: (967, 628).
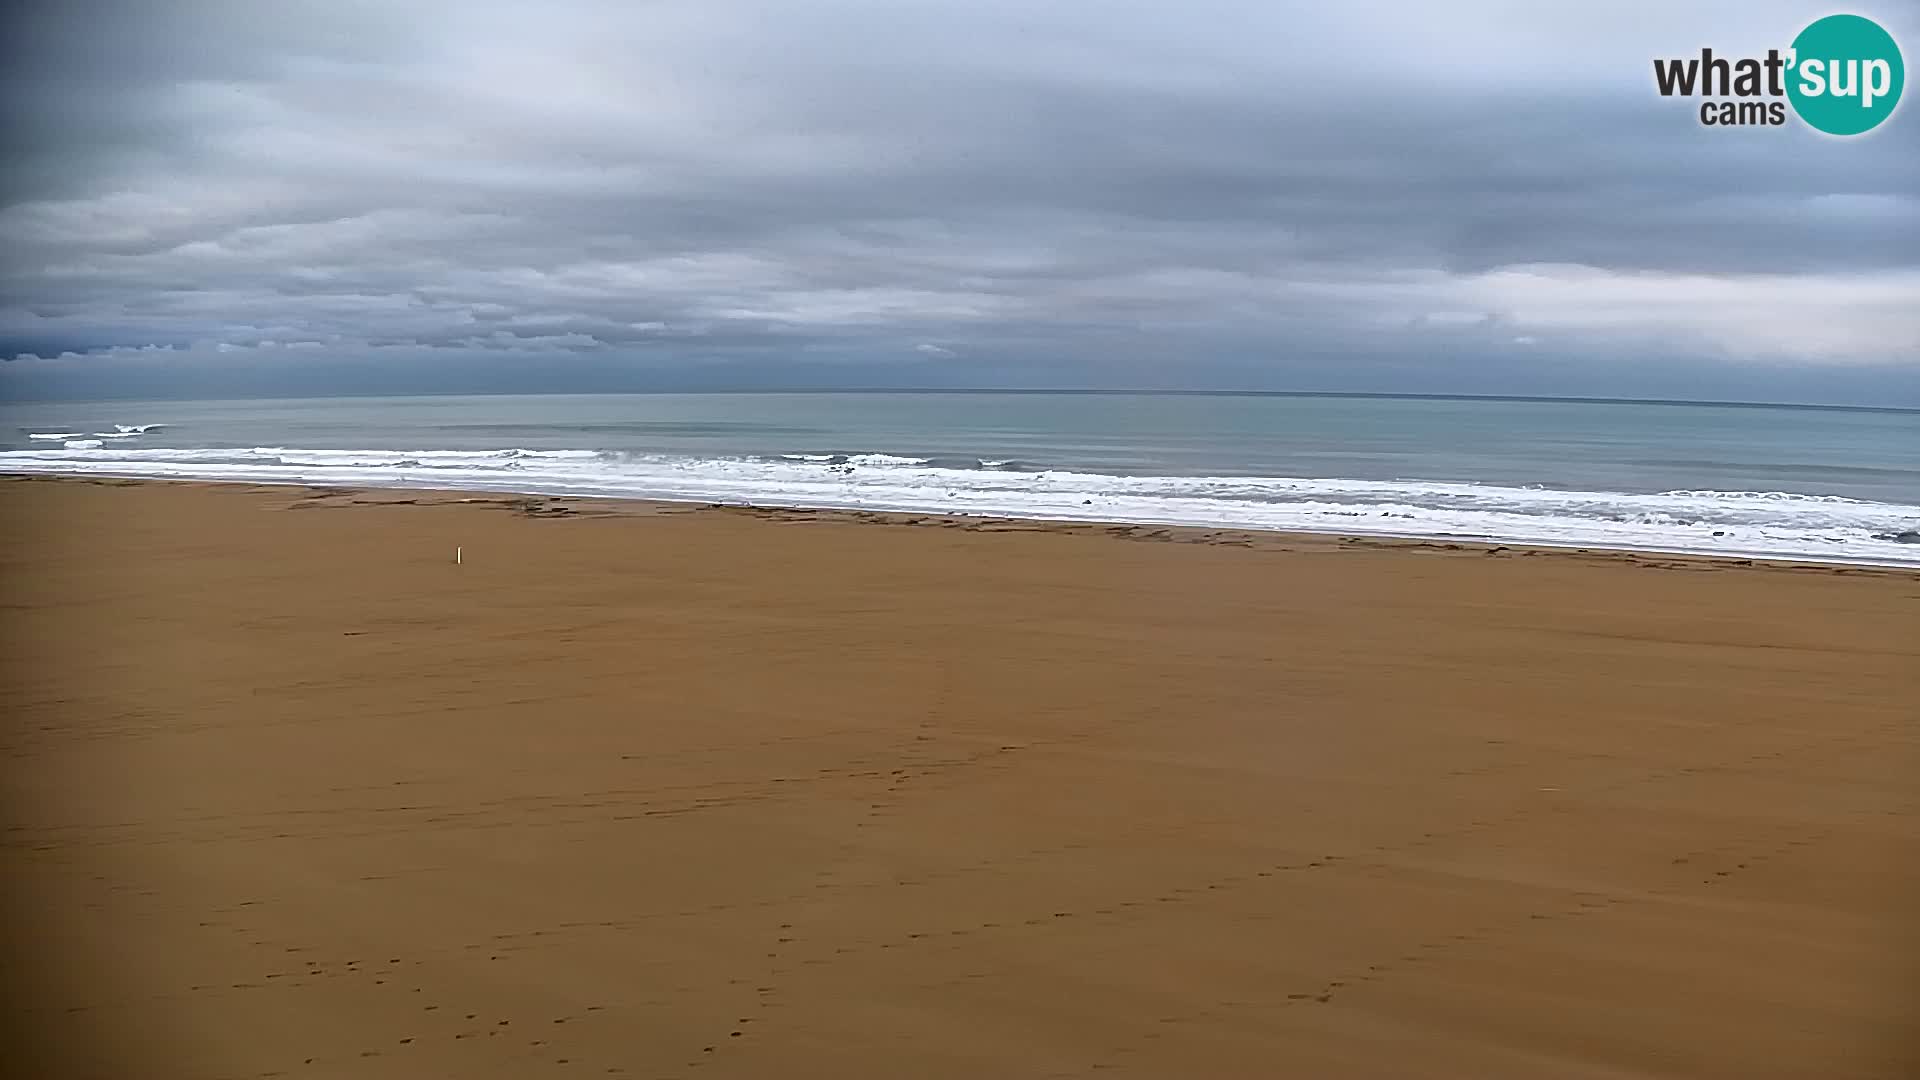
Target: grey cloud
(1268, 192)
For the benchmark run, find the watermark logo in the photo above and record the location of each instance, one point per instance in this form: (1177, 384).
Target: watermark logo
(1842, 75)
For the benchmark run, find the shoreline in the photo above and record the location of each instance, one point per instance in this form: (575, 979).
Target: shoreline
(1284, 537)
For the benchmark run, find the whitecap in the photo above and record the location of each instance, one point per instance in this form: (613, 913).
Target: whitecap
(1718, 522)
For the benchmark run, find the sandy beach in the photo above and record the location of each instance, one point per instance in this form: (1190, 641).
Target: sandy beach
(671, 791)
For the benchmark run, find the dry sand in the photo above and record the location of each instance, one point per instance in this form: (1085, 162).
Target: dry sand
(675, 792)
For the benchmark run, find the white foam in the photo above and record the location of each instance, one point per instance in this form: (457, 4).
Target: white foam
(883, 460)
(1767, 524)
(57, 435)
(137, 429)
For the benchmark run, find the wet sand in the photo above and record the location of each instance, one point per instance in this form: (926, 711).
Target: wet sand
(653, 791)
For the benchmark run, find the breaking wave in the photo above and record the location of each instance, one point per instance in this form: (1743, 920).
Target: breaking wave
(1747, 523)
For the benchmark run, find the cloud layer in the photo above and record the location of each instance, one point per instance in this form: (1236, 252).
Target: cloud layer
(927, 192)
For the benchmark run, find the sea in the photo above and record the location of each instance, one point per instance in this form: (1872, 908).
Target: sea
(1825, 484)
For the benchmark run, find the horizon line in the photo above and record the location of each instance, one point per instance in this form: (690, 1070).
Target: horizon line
(1028, 391)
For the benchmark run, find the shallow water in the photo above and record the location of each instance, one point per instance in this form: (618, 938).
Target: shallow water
(1829, 484)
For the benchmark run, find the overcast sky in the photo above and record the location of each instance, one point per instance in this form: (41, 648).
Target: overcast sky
(1477, 197)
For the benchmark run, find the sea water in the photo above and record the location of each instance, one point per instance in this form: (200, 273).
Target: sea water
(1829, 484)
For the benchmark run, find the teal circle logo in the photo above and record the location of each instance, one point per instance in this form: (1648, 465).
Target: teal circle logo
(1846, 75)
